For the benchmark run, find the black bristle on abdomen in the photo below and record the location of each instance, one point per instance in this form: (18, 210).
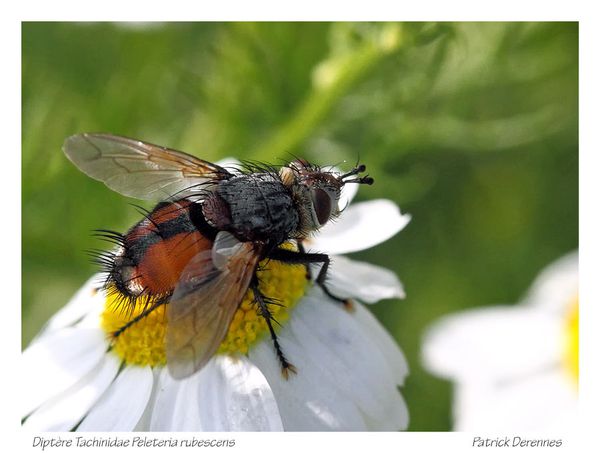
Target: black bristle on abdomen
(114, 237)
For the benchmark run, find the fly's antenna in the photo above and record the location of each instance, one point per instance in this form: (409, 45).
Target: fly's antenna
(358, 180)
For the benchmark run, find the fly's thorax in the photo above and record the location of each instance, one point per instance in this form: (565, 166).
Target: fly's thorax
(253, 207)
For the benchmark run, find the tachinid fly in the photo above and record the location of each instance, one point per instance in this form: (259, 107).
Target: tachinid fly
(198, 250)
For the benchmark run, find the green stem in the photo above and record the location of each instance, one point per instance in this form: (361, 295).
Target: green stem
(345, 73)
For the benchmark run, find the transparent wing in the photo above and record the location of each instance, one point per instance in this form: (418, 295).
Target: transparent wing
(204, 302)
(137, 169)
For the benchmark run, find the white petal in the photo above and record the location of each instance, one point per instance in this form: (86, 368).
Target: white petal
(235, 396)
(542, 402)
(363, 281)
(493, 343)
(468, 400)
(57, 361)
(348, 193)
(123, 404)
(226, 395)
(63, 412)
(396, 419)
(557, 285)
(306, 401)
(360, 227)
(384, 341)
(176, 407)
(143, 423)
(85, 300)
(230, 163)
(356, 364)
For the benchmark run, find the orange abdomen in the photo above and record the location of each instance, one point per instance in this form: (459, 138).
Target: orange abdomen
(164, 261)
(156, 251)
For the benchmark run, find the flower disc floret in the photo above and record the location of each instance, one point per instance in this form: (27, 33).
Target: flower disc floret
(143, 343)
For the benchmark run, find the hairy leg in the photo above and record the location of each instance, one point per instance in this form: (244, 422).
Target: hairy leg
(262, 303)
(301, 257)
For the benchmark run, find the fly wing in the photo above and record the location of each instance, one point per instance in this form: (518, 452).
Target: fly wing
(138, 169)
(204, 302)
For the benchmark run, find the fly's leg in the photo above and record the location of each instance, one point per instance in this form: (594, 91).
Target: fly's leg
(262, 303)
(138, 318)
(301, 249)
(292, 257)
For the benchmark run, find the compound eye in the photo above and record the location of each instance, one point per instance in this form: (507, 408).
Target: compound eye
(322, 204)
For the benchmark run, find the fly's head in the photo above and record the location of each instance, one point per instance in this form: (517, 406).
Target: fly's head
(316, 192)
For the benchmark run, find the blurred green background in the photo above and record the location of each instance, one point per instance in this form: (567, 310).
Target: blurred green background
(470, 127)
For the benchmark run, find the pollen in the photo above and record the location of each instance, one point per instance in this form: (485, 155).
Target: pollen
(143, 343)
(283, 285)
(571, 343)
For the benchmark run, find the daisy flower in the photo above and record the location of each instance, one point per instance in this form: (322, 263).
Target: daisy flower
(514, 367)
(348, 367)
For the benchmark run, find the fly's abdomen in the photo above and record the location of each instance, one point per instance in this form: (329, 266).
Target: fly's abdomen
(155, 252)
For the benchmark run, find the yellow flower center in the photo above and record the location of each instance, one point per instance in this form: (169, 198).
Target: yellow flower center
(143, 343)
(571, 350)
